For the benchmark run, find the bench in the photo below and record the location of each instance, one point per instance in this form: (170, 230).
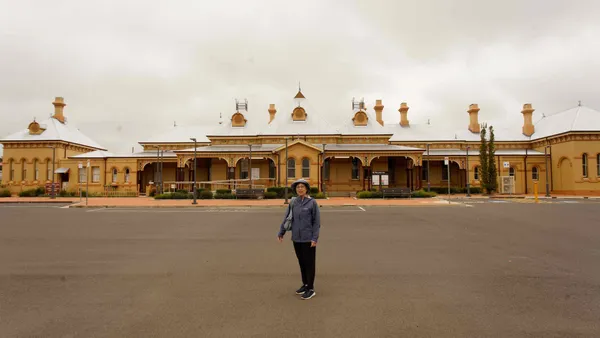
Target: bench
(250, 193)
(396, 192)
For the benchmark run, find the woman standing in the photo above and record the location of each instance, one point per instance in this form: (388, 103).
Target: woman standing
(306, 223)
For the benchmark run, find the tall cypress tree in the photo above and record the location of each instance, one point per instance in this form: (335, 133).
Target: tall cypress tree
(483, 160)
(492, 169)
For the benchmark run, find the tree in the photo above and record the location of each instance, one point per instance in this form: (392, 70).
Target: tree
(491, 168)
(483, 160)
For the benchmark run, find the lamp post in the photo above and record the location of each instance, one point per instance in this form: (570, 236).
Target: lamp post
(195, 168)
(468, 178)
(428, 182)
(87, 181)
(250, 165)
(546, 164)
(287, 170)
(53, 193)
(323, 171)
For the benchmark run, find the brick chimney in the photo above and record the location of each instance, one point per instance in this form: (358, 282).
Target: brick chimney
(272, 112)
(473, 111)
(59, 104)
(378, 111)
(403, 114)
(528, 128)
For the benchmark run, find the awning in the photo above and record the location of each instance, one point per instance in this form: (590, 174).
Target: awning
(61, 171)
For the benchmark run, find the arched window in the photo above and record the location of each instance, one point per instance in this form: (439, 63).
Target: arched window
(535, 173)
(511, 172)
(115, 173)
(48, 169)
(584, 164)
(23, 170)
(305, 168)
(36, 170)
(476, 173)
(291, 168)
(127, 175)
(355, 171)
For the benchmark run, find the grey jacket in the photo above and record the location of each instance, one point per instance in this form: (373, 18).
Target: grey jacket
(306, 220)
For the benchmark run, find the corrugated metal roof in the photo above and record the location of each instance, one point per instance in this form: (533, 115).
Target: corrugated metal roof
(141, 154)
(580, 118)
(367, 147)
(55, 131)
(475, 152)
(234, 148)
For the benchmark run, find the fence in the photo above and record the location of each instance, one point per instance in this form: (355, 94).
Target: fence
(232, 184)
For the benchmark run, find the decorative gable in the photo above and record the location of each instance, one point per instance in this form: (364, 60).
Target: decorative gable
(35, 128)
(299, 114)
(360, 118)
(238, 120)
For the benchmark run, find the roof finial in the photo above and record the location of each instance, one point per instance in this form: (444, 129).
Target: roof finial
(579, 103)
(174, 123)
(299, 89)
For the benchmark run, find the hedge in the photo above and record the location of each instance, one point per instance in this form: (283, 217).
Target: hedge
(5, 193)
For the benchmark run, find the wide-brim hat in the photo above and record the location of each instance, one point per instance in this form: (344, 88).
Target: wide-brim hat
(301, 182)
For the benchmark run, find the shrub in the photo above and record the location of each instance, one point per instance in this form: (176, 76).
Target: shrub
(40, 191)
(182, 195)
(314, 190)
(278, 190)
(270, 195)
(207, 194)
(223, 191)
(475, 190)
(152, 192)
(364, 194)
(320, 195)
(181, 191)
(163, 196)
(224, 196)
(5, 193)
(423, 194)
(28, 193)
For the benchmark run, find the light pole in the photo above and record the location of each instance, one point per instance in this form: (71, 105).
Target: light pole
(323, 171)
(195, 175)
(287, 170)
(250, 165)
(53, 193)
(468, 178)
(428, 182)
(546, 164)
(87, 182)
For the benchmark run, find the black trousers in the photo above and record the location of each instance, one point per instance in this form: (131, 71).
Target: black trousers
(307, 258)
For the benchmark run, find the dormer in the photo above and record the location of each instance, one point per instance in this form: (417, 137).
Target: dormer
(360, 117)
(299, 114)
(35, 128)
(238, 120)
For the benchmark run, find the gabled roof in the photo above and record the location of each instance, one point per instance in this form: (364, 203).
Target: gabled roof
(182, 134)
(316, 123)
(55, 131)
(317, 148)
(576, 119)
(141, 154)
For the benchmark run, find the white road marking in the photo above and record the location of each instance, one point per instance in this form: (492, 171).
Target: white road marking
(361, 208)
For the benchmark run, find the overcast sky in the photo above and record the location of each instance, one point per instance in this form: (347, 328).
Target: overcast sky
(128, 69)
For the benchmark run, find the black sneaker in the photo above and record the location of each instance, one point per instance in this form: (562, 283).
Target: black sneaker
(308, 294)
(302, 290)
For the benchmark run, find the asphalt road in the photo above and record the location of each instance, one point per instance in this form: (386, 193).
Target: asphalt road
(488, 270)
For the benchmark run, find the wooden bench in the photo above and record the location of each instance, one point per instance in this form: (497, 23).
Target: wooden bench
(396, 192)
(250, 193)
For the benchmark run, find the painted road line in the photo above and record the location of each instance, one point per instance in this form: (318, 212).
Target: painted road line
(361, 208)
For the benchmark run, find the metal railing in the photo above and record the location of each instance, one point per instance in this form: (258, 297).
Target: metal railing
(233, 184)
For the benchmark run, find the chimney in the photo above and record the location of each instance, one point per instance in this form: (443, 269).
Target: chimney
(403, 114)
(528, 128)
(272, 112)
(474, 118)
(59, 104)
(378, 111)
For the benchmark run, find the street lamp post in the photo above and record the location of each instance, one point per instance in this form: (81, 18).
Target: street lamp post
(53, 193)
(87, 181)
(250, 165)
(195, 174)
(468, 178)
(323, 171)
(428, 182)
(546, 164)
(287, 170)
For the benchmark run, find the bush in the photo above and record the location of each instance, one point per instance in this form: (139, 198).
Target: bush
(423, 194)
(223, 191)
(278, 190)
(475, 190)
(224, 196)
(364, 194)
(320, 196)
(5, 193)
(152, 192)
(163, 197)
(207, 194)
(181, 191)
(314, 190)
(28, 193)
(182, 195)
(270, 195)
(64, 193)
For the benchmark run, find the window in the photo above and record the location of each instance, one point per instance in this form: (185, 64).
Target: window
(291, 168)
(36, 170)
(23, 170)
(48, 170)
(83, 175)
(305, 168)
(598, 165)
(95, 174)
(584, 164)
(127, 175)
(444, 172)
(424, 172)
(535, 173)
(511, 172)
(11, 170)
(244, 169)
(476, 173)
(355, 172)
(115, 174)
(271, 169)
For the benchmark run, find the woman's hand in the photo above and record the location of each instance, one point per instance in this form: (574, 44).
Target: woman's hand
(280, 239)
(313, 244)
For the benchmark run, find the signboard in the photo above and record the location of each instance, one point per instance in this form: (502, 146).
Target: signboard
(375, 179)
(49, 188)
(506, 165)
(385, 180)
(446, 160)
(79, 165)
(255, 173)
